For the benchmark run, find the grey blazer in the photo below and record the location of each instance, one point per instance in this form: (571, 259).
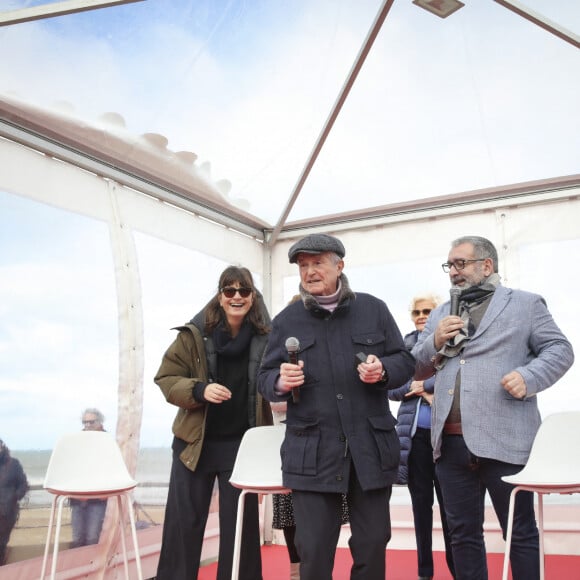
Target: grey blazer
(516, 333)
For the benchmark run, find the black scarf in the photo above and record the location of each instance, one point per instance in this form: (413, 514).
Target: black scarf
(470, 299)
(231, 346)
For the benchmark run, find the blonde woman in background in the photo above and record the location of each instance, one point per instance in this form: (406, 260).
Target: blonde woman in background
(417, 469)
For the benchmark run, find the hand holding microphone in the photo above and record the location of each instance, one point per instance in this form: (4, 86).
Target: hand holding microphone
(454, 293)
(292, 345)
(448, 328)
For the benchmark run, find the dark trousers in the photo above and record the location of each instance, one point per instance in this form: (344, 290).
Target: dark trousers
(464, 479)
(187, 510)
(289, 535)
(422, 482)
(318, 519)
(7, 522)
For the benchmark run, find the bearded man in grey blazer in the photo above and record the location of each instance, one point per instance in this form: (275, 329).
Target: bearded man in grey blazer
(492, 357)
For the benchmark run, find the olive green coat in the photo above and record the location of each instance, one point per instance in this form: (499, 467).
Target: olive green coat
(191, 359)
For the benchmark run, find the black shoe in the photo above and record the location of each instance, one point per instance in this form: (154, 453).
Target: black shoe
(425, 578)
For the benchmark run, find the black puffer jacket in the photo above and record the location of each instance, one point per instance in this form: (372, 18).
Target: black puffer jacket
(407, 414)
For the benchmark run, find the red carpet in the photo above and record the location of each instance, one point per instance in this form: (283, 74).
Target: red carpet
(401, 565)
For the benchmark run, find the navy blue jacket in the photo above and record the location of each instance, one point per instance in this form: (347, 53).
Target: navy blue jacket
(338, 417)
(408, 413)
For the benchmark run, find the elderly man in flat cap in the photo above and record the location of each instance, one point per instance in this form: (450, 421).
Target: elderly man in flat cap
(345, 352)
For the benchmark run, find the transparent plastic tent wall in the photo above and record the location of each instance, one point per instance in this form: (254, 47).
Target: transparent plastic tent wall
(95, 275)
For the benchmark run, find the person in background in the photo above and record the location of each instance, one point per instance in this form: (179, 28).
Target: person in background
(492, 358)
(87, 516)
(417, 469)
(340, 435)
(13, 487)
(209, 373)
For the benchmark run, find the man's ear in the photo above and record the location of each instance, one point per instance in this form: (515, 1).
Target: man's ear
(488, 265)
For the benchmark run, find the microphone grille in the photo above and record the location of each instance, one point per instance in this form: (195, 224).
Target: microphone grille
(292, 344)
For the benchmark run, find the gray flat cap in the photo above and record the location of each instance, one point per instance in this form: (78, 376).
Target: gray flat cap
(316, 244)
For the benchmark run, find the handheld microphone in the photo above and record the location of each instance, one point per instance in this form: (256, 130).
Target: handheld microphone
(292, 345)
(454, 293)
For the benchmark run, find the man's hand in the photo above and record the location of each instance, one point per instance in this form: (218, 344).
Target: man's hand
(371, 371)
(515, 385)
(447, 328)
(291, 376)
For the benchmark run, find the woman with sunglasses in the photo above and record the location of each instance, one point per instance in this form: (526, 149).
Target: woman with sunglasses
(209, 372)
(417, 469)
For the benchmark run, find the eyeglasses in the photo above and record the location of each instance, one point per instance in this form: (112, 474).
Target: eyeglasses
(459, 264)
(424, 312)
(91, 422)
(230, 292)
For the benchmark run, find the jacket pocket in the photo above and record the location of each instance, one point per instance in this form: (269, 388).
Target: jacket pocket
(369, 343)
(299, 450)
(386, 439)
(308, 355)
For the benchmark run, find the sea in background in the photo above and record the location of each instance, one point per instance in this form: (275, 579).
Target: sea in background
(153, 469)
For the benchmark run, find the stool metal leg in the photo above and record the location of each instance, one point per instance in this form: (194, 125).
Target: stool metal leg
(134, 536)
(48, 537)
(541, 533)
(508, 535)
(238, 536)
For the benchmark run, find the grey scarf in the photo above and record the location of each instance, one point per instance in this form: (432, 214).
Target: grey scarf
(470, 300)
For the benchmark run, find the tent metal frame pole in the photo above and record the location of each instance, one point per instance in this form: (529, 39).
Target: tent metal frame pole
(541, 21)
(53, 9)
(347, 86)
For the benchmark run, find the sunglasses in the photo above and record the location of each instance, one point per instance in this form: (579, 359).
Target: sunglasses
(230, 292)
(424, 312)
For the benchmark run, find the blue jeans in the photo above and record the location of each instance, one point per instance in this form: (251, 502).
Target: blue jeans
(464, 479)
(87, 520)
